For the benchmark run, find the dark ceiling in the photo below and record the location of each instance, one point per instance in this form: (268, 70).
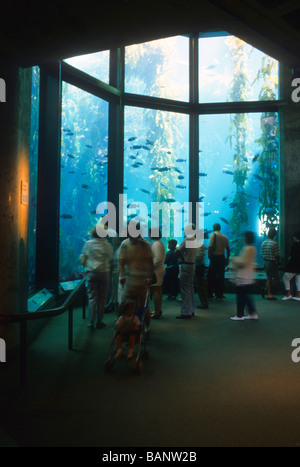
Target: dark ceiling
(34, 31)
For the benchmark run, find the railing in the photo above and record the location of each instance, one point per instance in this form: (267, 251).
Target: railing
(23, 318)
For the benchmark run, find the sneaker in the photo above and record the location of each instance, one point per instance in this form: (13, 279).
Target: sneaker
(296, 298)
(236, 318)
(130, 354)
(287, 298)
(254, 316)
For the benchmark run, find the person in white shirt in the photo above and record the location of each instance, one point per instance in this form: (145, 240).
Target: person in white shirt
(243, 266)
(97, 257)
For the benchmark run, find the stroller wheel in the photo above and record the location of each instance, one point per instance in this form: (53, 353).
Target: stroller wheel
(137, 368)
(109, 366)
(145, 355)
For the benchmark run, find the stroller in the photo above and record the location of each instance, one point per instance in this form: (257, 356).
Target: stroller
(141, 340)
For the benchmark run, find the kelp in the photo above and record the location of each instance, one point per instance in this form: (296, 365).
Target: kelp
(238, 142)
(268, 158)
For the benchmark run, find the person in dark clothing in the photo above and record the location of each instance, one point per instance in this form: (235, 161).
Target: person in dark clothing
(293, 269)
(218, 244)
(200, 283)
(171, 281)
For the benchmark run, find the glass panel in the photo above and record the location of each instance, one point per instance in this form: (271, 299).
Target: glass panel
(84, 158)
(232, 70)
(239, 175)
(156, 166)
(33, 166)
(159, 68)
(96, 65)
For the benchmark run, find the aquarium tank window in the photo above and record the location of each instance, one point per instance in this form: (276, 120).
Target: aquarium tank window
(156, 165)
(172, 142)
(232, 70)
(159, 68)
(33, 167)
(239, 174)
(96, 64)
(84, 159)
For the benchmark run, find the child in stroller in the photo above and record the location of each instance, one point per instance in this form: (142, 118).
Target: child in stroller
(128, 327)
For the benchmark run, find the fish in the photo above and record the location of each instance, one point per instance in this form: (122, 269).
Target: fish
(71, 156)
(225, 198)
(135, 165)
(258, 177)
(256, 157)
(180, 186)
(84, 186)
(180, 160)
(211, 67)
(177, 170)
(132, 138)
(88, 146)
(224, 220)
(180, 177)
(202, 174)
(164, 185)
(149, 142)
(71, 171)
(232, 205)
(136, 146)
(205, 214)
(145, 191)
(66, 216)
(170, 200)
(163, 169)
(228, 172)
(70, 133)
(132, 157)
(201, 198)
(146, 148)
(66, 130)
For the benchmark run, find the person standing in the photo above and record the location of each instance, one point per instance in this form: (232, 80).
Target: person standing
(171, 282)
(293, 269)
(159, 255)
(97, 257)
(217, 247)
(136, 271)
(243, 266)
(187, 253)
(270, 253)
(200, 283)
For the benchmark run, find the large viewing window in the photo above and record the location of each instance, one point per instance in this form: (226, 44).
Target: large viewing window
(84, 158)
(159, 68)
(191, 119)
